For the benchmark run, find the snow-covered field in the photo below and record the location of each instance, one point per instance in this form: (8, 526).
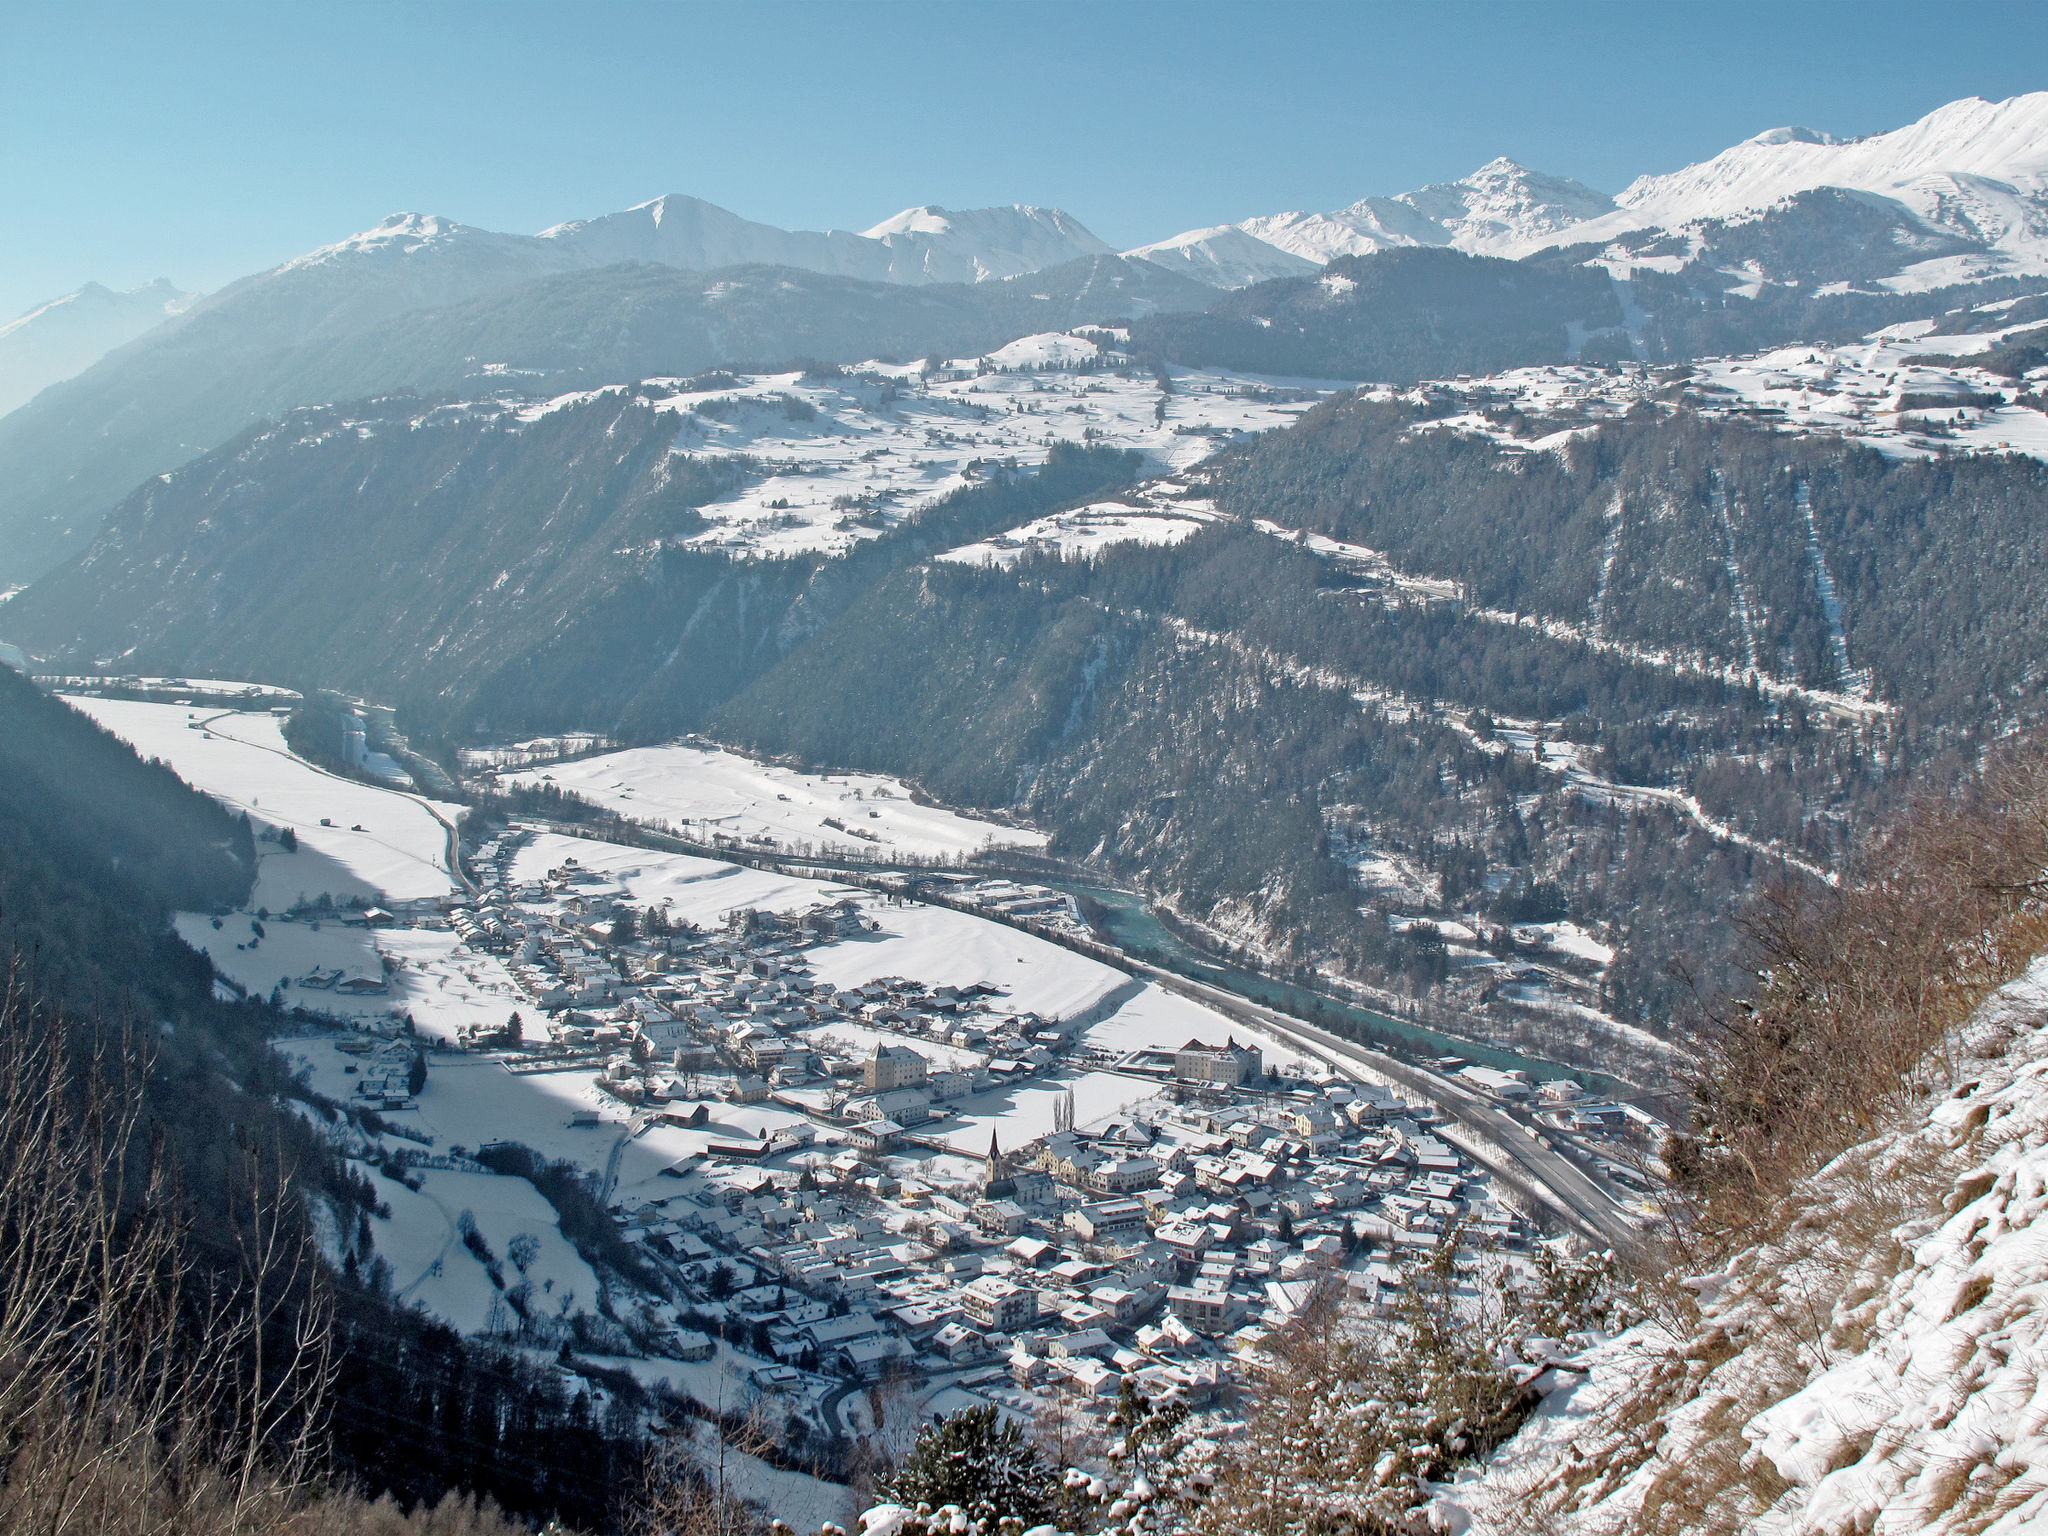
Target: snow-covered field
(432, 1268)
(435, 980)
(1856, 390)
(354, 840)
(708, 791)
(1024, 1113)
(1085, 530)
(1157, 1019)
(942, 947)
(846, 457)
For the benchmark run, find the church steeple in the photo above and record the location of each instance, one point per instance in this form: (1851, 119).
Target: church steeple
(996, 1180)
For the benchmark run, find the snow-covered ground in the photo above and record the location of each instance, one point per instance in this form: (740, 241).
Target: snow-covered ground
(708, 792)
(433, 1268)
(1085, 530)
(355, 840)
(1157, 1019)
(1858, 390)
(440, 984)
(1025, 1112)
(1881, 1358)
(844, 458)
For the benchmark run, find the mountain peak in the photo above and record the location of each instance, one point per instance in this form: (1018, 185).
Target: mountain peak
(1792, 136)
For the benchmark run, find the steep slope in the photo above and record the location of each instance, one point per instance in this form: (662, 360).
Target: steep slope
(1877, 1366)
(1396, 315)
(66, 336)
(314, 332)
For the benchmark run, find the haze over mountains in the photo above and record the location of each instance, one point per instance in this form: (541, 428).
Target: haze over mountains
(53, 341)
(1788, 236)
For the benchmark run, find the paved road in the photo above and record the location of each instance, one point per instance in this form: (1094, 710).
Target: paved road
(1540, 1174)
(1508, 1150)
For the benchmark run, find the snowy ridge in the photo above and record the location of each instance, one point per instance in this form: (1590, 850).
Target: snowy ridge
(1882, 1366)
(2003, 141)
(917, 246)
(66, 336)
(1973, 171)
(1499, 206)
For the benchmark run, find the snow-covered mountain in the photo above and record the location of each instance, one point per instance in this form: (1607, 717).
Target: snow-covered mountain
(66, 336)
(1498, 206)
(1963, 193)
(1226, 256)
(1971, 141)
(1501, 204)
(1967, 183)
(917, 246)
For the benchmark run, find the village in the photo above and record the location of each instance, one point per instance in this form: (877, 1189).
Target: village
(831, 1157)
(863, 1211)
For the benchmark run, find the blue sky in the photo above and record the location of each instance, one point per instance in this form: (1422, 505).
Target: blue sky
(203, 141)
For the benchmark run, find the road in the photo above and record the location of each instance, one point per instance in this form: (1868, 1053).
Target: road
(1541, 1174)
(639, 1122)
(1501, 1144)
(451, 830)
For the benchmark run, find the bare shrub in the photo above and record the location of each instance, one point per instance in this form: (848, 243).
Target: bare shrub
(1859, 990)
(138, 1394)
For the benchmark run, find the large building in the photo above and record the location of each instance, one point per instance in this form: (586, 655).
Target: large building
(1229, 1064)
(892, 1066)
(1106, 1220)
(999, 1304)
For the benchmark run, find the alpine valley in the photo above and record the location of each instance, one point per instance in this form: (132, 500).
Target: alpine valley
(1386, 710)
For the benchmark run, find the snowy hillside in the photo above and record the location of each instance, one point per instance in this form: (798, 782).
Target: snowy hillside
(917, 246)
(831, 462)
(66, 336)
(1970, 179)
(1877, 1367)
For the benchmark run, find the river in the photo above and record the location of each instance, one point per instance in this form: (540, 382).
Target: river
(1132, 926)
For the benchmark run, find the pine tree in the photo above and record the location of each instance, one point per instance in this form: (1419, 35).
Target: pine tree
(976, 1461)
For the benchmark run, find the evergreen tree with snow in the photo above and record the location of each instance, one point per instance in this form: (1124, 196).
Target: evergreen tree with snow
(974, 1460)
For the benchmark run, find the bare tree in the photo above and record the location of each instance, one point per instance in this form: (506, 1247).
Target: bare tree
(138, 1393)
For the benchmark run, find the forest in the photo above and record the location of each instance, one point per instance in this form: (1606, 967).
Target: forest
(96, 849)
